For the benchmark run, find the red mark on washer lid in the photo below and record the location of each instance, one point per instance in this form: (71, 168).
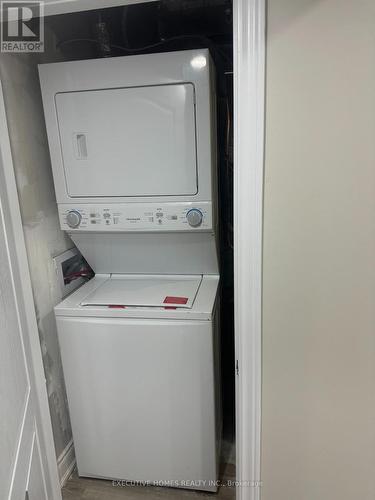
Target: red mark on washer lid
(175, 300)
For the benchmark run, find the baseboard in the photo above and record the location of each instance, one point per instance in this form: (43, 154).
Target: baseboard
(66, 463)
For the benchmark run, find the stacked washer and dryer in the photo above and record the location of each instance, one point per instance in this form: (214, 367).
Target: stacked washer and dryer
(133, 148)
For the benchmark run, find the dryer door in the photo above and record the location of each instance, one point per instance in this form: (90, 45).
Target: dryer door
(138, 141)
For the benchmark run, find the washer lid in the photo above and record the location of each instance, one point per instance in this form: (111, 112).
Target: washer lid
(145, 291)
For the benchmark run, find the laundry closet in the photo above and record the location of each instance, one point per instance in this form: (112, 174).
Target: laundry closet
(127, 212)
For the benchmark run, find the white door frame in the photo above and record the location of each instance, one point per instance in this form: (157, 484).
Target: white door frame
(26, 307)
(249, 118)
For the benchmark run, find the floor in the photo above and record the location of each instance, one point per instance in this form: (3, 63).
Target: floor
(96, 489)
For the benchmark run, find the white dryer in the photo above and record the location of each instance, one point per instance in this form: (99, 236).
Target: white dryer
(142, 379)
(133, 151)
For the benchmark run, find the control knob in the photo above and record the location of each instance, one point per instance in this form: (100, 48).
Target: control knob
(73, 219)
(194, 217)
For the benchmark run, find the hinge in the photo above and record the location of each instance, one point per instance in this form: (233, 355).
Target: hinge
(237, 368)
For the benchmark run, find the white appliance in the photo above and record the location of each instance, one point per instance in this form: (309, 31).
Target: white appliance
(141, 380)
(133, 150)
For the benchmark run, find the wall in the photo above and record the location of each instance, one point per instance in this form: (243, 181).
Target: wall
(39, 214)
(319, 247)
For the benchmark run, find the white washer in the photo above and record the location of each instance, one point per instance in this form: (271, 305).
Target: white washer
(133, 150)
(138, 357)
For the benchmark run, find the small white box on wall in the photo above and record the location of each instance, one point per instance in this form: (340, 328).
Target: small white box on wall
(70, 280)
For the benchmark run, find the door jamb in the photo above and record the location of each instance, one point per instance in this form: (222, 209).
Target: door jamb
(249, 40)
(25, 304)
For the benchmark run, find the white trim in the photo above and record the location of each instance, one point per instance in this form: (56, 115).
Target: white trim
(26, 301)
(249, 92)
(66, 463)
(53, 7)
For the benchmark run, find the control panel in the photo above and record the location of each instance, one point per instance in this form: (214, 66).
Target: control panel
(130, 217)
